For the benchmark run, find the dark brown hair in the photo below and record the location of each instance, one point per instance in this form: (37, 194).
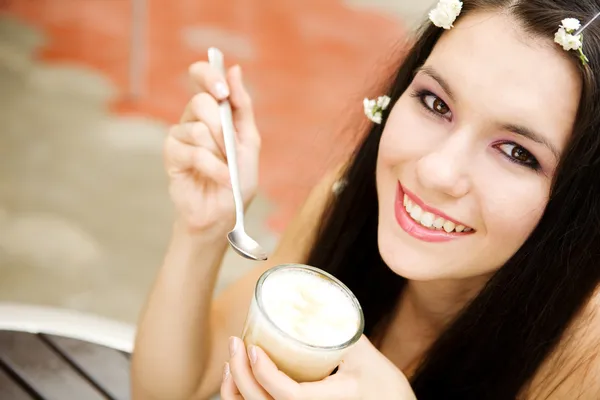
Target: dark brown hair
(498, 342)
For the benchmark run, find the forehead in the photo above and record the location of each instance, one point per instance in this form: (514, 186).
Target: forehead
(495, 68)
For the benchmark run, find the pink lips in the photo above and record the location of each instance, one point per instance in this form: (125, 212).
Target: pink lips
(417, 230)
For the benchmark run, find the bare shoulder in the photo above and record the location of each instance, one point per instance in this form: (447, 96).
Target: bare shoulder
(573, 371)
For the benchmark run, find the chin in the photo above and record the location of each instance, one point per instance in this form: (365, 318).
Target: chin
(418, 261)
(407, 261)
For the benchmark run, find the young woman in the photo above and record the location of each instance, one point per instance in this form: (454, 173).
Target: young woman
(468, 225)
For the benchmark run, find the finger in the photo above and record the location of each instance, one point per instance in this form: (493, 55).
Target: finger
(242, 373)
(209, 79)
(356, 355)
(229, 390)
(184, 157)
(179, 156)
(281, 386)
(243, 112)
(360, 354)
(196, 134)
(204, 108)
(331, 388)
(211, 166)
(266, 373)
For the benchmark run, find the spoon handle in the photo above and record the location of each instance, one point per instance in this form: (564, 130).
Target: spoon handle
(215, 59)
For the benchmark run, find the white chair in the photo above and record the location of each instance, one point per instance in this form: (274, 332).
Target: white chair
(67, 323)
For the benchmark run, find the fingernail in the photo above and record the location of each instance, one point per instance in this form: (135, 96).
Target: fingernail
(252, 354)
(221, 90)
(226, 372)
(232, 346)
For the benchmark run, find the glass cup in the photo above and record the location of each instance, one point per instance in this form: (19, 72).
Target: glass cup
(301, 361)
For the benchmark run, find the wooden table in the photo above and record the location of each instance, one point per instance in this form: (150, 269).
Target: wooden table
(51, 367)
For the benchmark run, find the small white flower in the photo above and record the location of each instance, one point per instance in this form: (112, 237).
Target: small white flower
(383, 102)
(567, 41)
(452, 5)
(571, 24)
(374, 108)
(566, 37)
(442, 18)
(445, 13)
(368, 105)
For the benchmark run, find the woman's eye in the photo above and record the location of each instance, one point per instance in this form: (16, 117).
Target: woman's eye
(518, 154)
(436, 105)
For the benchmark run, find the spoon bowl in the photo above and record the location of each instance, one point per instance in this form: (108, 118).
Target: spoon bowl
(245, 246)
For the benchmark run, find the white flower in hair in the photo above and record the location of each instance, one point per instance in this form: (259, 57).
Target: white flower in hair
(383, 102)
(445, 13)
(571, 24)
(374, 108)
(566, 38)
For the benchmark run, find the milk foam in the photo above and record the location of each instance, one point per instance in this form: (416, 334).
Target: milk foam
(309, 308)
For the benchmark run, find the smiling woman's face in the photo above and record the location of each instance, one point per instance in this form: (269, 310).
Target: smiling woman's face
(472, 146)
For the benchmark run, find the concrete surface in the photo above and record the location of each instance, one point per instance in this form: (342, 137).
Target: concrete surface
(84, 212)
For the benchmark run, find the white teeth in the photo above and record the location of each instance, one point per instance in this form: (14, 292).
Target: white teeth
(430, 220)
(449, 226)
(427, 219)
(438, 223)
(416, 212)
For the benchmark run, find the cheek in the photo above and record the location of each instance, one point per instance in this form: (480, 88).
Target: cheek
(403, 137)
(512, 209)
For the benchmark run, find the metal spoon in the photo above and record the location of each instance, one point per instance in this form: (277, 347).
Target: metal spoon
(238, 238)
(584, 27)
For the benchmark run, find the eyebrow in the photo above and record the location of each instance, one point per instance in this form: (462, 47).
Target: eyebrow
(432, 73)
(531, 135)
(518, 129)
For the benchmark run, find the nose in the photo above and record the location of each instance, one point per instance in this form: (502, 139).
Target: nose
(445, 169)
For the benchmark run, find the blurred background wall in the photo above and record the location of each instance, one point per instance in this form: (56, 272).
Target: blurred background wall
(88, 89)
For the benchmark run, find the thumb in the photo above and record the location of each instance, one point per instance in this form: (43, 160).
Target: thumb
(243, 113)
(359, 355)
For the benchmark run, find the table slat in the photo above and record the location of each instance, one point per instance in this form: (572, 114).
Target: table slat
(9, 389)
(43, 369)
(108, 368)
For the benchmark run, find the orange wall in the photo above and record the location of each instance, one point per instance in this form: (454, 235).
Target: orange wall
(308, 64)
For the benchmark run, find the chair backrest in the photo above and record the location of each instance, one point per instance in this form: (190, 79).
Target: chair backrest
(67, 323)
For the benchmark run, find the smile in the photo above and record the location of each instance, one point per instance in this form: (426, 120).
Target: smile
(424, 222)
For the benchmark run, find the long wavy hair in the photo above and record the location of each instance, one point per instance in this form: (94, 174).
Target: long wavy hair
(500, 339)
